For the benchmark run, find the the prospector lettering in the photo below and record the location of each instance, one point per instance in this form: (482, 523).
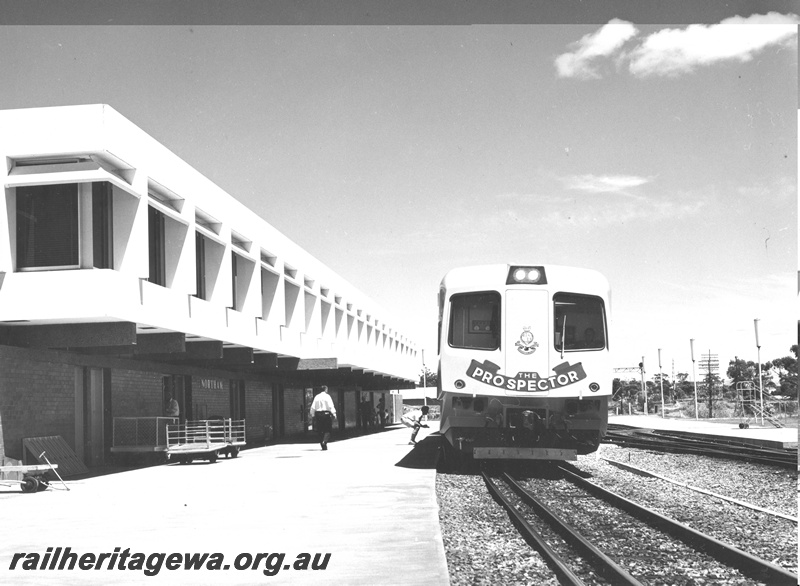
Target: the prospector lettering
(487, 372)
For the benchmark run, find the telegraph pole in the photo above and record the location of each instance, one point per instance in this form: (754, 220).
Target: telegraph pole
(627, 369)
(710, 363)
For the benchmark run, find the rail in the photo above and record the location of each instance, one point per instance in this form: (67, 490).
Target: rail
(727, 554)
(748, 564)
(721, 448)
(604, 564)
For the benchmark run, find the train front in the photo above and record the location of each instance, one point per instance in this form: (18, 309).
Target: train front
(524, 361)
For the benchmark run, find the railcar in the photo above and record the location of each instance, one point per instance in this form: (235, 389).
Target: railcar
(524, 365)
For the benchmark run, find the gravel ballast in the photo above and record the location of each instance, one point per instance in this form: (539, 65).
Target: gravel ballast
(483, 547)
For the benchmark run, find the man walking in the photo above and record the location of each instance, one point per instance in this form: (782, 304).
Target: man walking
(323, 413)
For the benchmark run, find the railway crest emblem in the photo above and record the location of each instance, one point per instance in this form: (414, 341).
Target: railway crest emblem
(526, 344)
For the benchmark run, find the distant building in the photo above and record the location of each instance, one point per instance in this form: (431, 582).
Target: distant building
(420, 396)
(417, 397)
(127, 277)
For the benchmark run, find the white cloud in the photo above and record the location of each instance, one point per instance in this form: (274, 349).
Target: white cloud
(582, 61)
(604, 183)
(670, 52)
(560, 208)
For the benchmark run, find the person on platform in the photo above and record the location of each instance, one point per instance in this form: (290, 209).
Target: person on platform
(366, 413)
(172, 409)
(413, 419)
(381, 409)
(323, 413)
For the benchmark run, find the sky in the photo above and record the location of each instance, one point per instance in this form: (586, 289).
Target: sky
(664, 156)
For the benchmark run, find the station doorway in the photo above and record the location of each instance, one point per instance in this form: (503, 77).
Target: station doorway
(93, 422)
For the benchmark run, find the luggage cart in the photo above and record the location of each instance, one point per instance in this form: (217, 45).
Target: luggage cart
(204, 440)
(33, 479)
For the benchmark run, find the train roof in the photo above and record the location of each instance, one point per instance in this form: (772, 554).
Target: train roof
(494, 275)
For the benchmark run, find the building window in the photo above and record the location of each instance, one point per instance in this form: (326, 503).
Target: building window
(102, 232)
(156, 242)
(47, 227)
(200, 265)
(236, 274)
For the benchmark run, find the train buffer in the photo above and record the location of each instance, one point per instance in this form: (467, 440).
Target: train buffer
(205, 440)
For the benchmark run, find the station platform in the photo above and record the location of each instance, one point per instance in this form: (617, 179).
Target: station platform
(772, 437)
(368, 501)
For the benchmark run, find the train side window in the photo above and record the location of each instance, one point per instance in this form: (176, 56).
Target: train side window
(579, 322)
(475, 321)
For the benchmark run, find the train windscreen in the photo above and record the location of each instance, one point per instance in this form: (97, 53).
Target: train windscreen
(475, 321)
(579, 322)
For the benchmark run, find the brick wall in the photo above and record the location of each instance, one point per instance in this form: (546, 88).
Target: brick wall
(38, 393)
(37, 398)
(211, 397)
(136, 394)
(293, 406)
(258, 411)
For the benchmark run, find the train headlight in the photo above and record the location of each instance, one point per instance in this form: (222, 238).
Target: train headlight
(459, 384)
(519, 275)
(594, 387)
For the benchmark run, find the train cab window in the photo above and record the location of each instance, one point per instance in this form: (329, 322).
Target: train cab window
(579, 322)
(475, 321)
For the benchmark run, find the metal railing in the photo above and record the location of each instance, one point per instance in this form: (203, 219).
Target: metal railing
(140, 433)
(207, 432)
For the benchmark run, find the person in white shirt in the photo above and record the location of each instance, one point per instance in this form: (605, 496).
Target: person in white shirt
(323, 413)
(172, 409)
(413, 419)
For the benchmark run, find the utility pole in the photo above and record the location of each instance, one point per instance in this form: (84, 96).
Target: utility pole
(644, 388)
(673, 379)
(661, 380)
(760, 381)
(424, 381)
(694, 378)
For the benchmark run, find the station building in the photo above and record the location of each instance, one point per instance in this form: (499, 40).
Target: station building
(126, 277)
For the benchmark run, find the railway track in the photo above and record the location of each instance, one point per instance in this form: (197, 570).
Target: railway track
(669, 442)
(588, 534)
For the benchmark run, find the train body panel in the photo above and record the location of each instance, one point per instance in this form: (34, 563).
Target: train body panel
(524, 366)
